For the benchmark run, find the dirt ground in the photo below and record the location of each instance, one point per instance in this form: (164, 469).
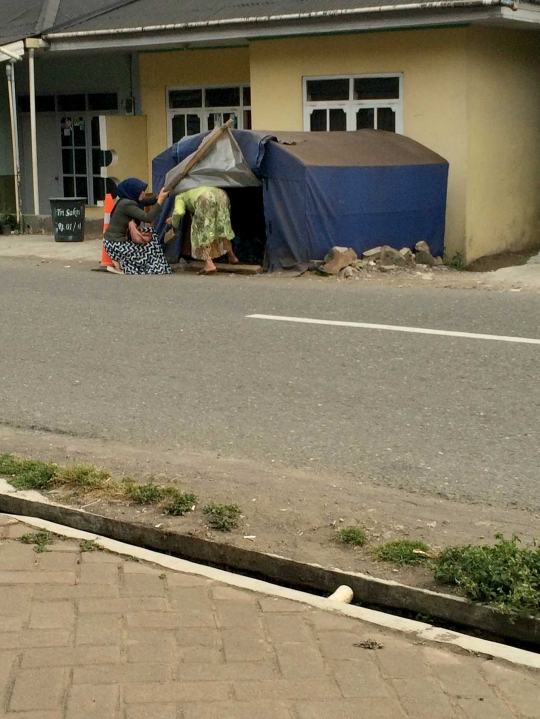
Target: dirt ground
(294, 513)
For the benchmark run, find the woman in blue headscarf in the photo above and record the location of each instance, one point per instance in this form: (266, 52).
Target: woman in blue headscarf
(134, 248)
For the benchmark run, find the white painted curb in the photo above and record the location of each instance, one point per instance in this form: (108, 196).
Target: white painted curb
(418, 631)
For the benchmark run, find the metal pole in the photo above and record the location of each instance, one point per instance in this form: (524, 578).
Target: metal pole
(10, 71)
(33, 133)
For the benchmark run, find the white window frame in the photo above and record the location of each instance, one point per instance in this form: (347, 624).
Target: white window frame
(203, 111)
(352, 106)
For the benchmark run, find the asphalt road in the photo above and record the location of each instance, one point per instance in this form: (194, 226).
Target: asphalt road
(174, 360)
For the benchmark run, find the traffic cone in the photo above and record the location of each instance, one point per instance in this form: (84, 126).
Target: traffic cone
(105, 259)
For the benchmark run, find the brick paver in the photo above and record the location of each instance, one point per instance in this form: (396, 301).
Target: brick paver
(92, 635)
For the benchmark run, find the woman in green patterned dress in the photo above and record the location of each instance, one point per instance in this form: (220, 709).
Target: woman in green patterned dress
(211, 229)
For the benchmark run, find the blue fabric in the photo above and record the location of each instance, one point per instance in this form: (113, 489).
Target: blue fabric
(131, 189)
(311, 208)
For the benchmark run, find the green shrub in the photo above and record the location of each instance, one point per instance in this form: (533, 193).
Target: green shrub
(148, 493)
(179, 503)
(27, 473)
(506, 576)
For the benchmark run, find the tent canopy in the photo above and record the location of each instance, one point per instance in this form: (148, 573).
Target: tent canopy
(321, 189)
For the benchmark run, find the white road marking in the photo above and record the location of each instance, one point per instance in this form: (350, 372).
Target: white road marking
(397, 328)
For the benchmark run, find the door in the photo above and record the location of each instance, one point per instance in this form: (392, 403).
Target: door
(49, 168)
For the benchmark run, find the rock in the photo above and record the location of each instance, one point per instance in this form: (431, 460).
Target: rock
(422, 247)
(314, 265)
(424, 258)
(348, 273)
(438, 261)
(373, 254)
(407, 255)
(359, 264)
(337, 259)
(387, 268)
(390, 256)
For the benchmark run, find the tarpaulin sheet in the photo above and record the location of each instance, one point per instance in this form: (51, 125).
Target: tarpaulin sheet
(358, 189)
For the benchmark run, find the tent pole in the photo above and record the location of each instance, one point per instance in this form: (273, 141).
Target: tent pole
(35, 180)
(10, 72)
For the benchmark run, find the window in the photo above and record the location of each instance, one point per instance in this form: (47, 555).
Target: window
(354, 103)
(199, 109)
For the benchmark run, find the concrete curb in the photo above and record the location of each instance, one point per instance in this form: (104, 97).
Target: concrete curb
(417, 631)
(269, 567)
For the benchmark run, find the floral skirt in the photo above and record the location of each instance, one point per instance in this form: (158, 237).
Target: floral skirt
(136, 259)
(211, 229)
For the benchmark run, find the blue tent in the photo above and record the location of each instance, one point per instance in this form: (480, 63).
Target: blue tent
(320, 189)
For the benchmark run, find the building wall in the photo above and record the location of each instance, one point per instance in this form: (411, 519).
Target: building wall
(503, 152)
(434, 63)
(7, 189)
(160, 70)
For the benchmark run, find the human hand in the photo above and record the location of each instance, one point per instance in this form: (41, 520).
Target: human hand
(163, 194)
(168, 221)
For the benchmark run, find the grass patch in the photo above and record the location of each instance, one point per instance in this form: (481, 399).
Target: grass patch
(223, 517)
(404, 552)
(457, 262)
(355, 536)
(90, 545)
(27, 473)
(81, 476)
(40, 539)
(148, 493)
(179, 503)
(506, 575)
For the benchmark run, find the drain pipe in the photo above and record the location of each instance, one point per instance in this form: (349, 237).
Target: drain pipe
(10, 72)
(439, 5)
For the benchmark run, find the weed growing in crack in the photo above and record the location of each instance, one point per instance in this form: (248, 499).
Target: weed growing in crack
(355, 536)
(223, 517)
(40, 539)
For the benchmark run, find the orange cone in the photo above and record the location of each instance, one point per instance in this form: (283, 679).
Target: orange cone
(109, 205)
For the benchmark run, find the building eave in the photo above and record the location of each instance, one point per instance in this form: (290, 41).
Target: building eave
(224, 33)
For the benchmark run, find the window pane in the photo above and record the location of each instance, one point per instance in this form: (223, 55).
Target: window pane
(67, 162)
(365, 119)
(81, 187)
(68, 103)
(247, 119)
(214, 120)
(327, 90)
(69, 187)
(222, 97)
(103, 101)
(97, 159)
(66, 130)
(317, 121)
(386, 119)
(246, 91)
(193, 124)
(94, 127)
(45, 103)
(79, 132)
(185, 98)
(80, 162)
(231, 116)
(178, 127)
(376, 88)
(99, 189)
(110, 187)
(338, 120)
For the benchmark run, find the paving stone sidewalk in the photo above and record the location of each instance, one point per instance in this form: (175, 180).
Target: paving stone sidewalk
(93, 635)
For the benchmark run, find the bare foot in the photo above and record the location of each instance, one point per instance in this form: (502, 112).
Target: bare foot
(233, 259)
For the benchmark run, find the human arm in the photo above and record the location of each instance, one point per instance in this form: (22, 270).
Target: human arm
(179, 211)
(136, 213)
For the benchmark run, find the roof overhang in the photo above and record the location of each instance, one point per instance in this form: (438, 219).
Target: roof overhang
(238, 31)
(15, 51)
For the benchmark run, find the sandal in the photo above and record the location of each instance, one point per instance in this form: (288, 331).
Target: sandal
(114, 271)
(207, 272)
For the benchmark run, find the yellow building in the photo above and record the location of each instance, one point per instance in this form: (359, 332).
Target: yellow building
(464, 80)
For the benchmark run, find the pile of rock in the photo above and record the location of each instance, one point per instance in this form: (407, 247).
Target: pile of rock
(344, 263)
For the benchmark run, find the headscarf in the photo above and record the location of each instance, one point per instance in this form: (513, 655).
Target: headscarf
(131, 189)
